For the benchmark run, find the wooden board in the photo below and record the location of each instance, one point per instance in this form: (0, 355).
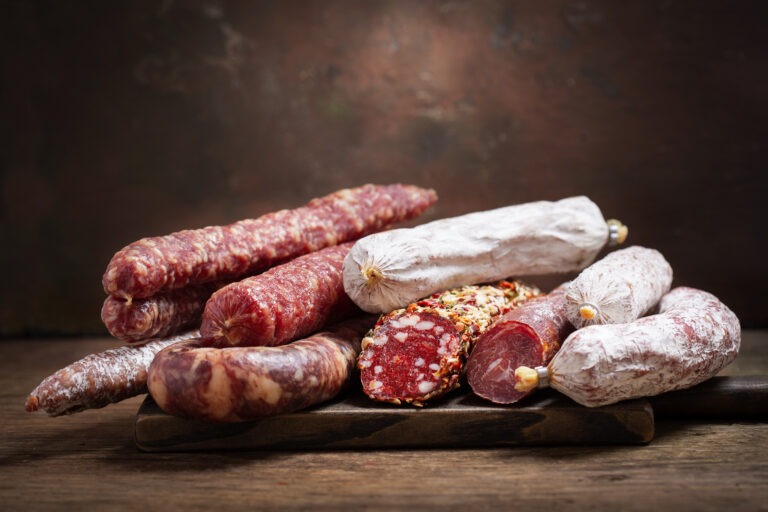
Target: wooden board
(354, 421)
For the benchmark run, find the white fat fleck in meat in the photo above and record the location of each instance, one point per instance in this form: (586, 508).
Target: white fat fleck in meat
(401, 336)
(441, 350)
(395, 323)
(378, 369)
(410, 320)
(375, 384)
(444, 339)
(419, 362)
(424, 325)
(365, 363)
(493, 365)
(434, 367)
(439, 330)
(379, 340)
(426, 386)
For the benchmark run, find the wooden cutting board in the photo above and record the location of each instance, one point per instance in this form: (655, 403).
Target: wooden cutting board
(354, 421)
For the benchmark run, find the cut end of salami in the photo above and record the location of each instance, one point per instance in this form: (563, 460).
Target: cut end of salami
(416, 358)
(32, 403)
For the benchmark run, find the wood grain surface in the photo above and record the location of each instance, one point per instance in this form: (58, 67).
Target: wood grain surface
(89, 461)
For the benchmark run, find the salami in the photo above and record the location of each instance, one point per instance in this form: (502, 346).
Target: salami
(418, 353)
(620, 288)
(99, 379)
(158, 316)
(691, 339)
(188, 257)
(280, 305)
(246, 383)
(389, 270)
(529, 335)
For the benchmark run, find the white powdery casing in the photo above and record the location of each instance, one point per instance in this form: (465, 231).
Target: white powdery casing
(693, 337)
(619, 288)
(542, 237)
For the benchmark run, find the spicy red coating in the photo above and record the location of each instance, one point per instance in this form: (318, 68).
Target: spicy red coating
(527, 336)
(280, 305)
(157, 316)
(150, 265)
(246, 383)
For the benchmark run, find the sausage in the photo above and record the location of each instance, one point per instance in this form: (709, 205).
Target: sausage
(418, 353)
(154, 264)
(620, 288)
(158, 316)
(246, 383)
(99, 379)
(389, 270)
(529, 335)
(280, 305)
(691, 339)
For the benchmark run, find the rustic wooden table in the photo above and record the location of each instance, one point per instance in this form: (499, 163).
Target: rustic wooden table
(89, 461)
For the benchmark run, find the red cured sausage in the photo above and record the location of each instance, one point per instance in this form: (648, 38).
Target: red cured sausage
(418, 353)
(99, 379)
(157, 316)
(527, 336)
(280, 305)
(150, 265)
(246, 383)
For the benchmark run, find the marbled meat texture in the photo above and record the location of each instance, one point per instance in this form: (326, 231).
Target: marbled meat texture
(619, 288)
(150, 265)
(280, 305)
(418, 353)
(157, 316)
(100, 379)
(691, 339)
(247, 383)
(529, 335)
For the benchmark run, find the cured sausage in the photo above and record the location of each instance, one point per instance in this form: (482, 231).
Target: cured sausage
(280, 305)
(620, 288)
(246, 383)
(418, 353)
(691, 339)
(99, 379)
(158, 316)
(151, 265)
(389, 270)
(529, 335)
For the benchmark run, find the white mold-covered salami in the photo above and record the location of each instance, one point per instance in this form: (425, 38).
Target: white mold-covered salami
(619, 288)
(691, 339)
(389, 270)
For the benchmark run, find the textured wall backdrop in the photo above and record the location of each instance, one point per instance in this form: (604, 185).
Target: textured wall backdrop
(129, 119)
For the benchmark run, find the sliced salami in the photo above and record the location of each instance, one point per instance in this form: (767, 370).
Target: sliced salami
(529, 335)
(418, 353)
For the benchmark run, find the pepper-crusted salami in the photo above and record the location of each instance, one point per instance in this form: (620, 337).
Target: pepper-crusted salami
(150, 265)
(99, 379)
(418, 353)
(529, 335)
(620, 288)
(691, 339)
(280, 305)
(246, 383)
(389, 270)
(157, 316)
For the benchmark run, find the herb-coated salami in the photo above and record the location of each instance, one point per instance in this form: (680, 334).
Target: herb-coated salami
(691, 339)
(280, 305)
(100, 379)
(150, 265)
(246, 383)
(418, 353)
(529, 335)
(621, 287)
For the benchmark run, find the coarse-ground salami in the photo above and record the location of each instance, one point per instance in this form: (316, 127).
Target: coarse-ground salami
(280, 305)
(214, 253)
(418, 353)
(621, 287)
(246, 383)
(691, 339)
(100, 379)
(158, 316)
(529, 335)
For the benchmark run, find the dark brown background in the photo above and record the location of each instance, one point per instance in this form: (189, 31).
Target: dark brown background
(128, 119)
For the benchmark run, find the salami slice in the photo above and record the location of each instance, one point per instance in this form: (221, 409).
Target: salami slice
(246, 383)
(280, 305)
(100, 379)
(529, 335)
(418, 353)
(189, 257)
(691, 339)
